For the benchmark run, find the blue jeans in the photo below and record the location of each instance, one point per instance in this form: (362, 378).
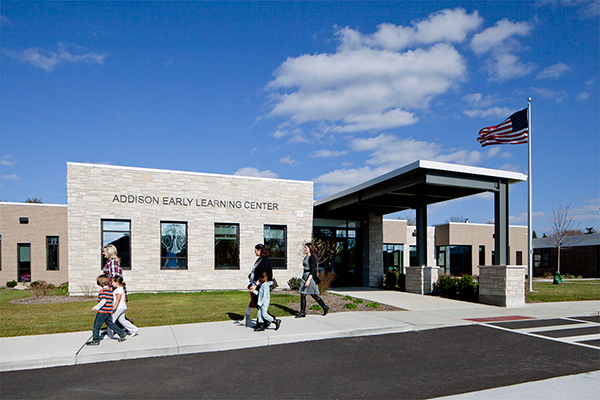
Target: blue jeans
(102, 318)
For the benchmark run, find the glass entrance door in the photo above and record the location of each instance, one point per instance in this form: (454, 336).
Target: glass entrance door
(24, 262)
(345, 262)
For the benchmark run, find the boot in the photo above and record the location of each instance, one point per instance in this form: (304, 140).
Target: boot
(323, 305)
(260, 326)
(302, 307)
(277, 323)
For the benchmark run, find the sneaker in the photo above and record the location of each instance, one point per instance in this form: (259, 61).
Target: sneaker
(122, 339)
(92, 343)
(133, 334)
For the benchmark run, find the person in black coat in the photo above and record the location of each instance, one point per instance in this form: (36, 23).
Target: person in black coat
(261, 265)
(310, 281)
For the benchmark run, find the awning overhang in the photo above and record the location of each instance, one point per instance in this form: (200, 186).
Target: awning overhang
(415, 185)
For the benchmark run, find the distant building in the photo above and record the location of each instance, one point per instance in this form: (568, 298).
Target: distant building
(581, 257)
(33, 243)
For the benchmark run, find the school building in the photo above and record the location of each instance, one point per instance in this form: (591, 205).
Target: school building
(188, 231)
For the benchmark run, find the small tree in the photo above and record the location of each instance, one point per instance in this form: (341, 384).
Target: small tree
(325, 250)
(564, 231)
(35, 200)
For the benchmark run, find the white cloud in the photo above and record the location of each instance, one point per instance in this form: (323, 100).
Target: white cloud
(327, 153)
(367, 84)
(522, 218)
(338, 180)
(583, 96)
(586, 9)
(499, 42)
(6, 161)
(503, 66)
(553, 72)
(490, 112)
(287, 160)
(443, 26)
(49, 60)
(557, 95)
(496, 36)
(251, 171)
(10, 177)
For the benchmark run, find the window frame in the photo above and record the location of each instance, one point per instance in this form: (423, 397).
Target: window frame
(237, 243)
(176, 268)
(124, 266)
(52, 248)
(285, 245)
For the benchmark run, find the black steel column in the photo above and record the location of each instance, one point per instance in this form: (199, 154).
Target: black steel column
(502, 251)
(422, 235)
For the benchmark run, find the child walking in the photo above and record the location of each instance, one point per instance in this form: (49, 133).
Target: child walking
(119, 308)
(103, 312)
(264, 298)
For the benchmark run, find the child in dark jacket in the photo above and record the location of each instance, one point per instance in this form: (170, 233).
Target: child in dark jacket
(104, 310)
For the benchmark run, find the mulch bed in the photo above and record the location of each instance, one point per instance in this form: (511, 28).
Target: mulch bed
(336, 303)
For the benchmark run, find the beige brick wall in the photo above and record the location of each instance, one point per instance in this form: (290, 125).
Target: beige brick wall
(44, 220)
(398, 232)
(91, 193)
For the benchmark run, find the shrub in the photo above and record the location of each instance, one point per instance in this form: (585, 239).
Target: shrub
(294, 283)
(350, 305)
(274, 285)
(402, 282)
(64, 286)
(41, 288)
(11, 283)
(326, 280)
(348, 298)
(315, 307)
(447, 286)
(373, 305)
(391, 278)
(468, 289)
(358, 301)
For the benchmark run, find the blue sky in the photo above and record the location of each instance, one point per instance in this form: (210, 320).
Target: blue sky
(333, 92)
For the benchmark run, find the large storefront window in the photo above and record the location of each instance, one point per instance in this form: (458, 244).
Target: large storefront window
(173, 245)
(275, 240)
(393, 257)
(227, 253)
(454, 260)
(118, 232)
(52, 253)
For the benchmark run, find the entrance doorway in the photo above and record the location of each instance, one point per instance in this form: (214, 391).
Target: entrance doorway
(346, 262)
(24, 262)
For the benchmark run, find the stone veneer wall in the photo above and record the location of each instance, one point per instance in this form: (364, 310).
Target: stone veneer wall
(502, 285)
(91, 191)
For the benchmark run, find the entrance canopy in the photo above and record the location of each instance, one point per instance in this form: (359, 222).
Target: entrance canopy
(410, 187)
(415, 186)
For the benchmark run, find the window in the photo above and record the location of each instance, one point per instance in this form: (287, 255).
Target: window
(393, 259)
(52, 253)
(118, 232)
(173, 245)
(519, 258)
(482, 255)
(24, 262)
(413, 256)
(227, 249)
(275, 240)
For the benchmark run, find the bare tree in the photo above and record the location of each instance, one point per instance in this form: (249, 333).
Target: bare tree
(35, 200)
(564, 230)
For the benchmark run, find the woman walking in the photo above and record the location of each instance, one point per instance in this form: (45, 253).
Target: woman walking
(112, 268)
(310, 281)
(261, 265)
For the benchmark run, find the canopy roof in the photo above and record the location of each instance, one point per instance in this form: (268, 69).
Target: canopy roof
(417, 184)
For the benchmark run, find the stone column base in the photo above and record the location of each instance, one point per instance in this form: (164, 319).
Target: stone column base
(502, 285)
(421, 280)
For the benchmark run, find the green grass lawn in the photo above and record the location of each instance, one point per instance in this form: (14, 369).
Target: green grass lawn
(570, 290)
(145, 309)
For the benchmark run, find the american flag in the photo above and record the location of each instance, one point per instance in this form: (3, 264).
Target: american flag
(514, 130)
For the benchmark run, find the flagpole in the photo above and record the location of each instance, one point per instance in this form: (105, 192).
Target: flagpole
(530, 202)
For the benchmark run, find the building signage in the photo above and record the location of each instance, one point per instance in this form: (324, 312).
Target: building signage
(194, 202)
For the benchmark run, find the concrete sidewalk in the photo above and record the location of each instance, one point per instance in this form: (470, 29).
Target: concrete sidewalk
(424, 312)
